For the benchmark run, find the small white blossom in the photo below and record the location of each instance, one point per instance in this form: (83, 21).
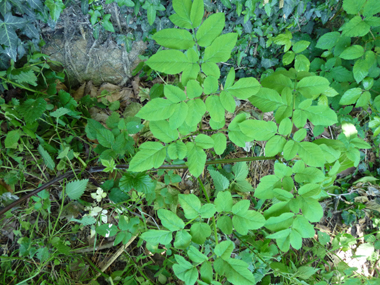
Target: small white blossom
(99, 195)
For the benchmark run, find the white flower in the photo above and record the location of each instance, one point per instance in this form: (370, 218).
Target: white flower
(99, 195)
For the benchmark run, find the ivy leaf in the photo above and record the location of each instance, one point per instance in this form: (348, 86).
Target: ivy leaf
(170, 220)
(46, 157)
(162, 131)
(168, 61)
(244, 88)
(174, 38)
(107, 230)
(36, 4)
(196, 159)
(75, 189)
(150, 155)
(32, 109)
(210, 29)
(244, 219)
(157, 236)
(106, 23)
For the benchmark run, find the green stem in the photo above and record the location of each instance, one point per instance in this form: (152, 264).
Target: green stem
(213, 217)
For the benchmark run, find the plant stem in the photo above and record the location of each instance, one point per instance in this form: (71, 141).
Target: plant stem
(213, 217)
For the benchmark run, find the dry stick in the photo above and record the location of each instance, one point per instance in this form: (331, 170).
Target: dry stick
(115, 256)
(124, 166)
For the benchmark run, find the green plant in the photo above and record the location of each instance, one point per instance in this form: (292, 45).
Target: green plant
(304, 170)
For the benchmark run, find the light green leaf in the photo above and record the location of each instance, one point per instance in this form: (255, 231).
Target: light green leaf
(155, 110)
(356, 27)
(207, 211)
(220, 182)
(185, 271)
(182, 8)
(227, 101)
(350, 96)
(47, 158)
(305, 229)
(200, 232)
(224, 249)
(150, 155)
(361, 70)
(281, 222)
(310, 175)
(204, 141)
(106, 138)
(174, 93)
(311, 154)
(321, 115)
(258, 130)
(224, 223)
(210, 85)
(220, 49)
(55, 8)
(328, 40)
(300, 46)
(180, 22)
(237, 272)
(75, 189)
(353, 6)
(32, 109)
(195, 255)
(190, 72)
(11, 141)
(244, 219)
(288, 57)
(170, 220)
(168, 61)
(182, 239)
(312, 86)
(196, 14)
(211, 69)
(371, 8)
(309, 190)
(277, 82)
(215, 108)
(157, 236)
(177, 150)
(285, 127)
(274, 145)
(179, 115)
(210, 29)
(196, 159)
(265, 188)
(244, 88)
(240, 169)
(196, 111)
(193, 89)
(220, 143)
(174, 38)
(230, 78)
(352, 52)
(290, 150)
(162, 131)
(190, 204)
(301, 63)
(223, 202)
(266, 100)
(311, 209)
(206, 273)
